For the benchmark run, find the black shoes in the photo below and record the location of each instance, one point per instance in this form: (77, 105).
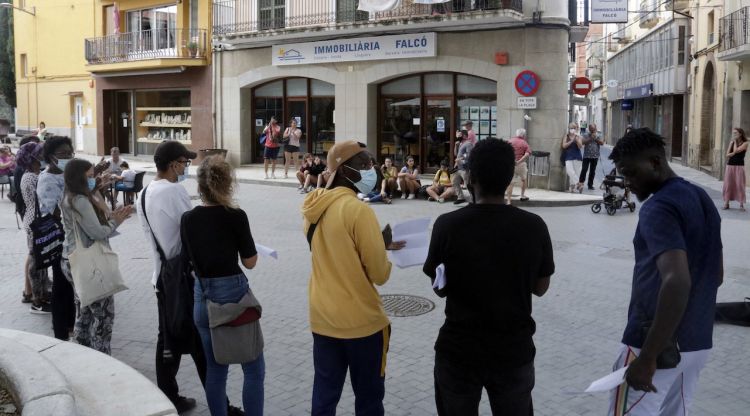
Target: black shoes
(591, 188)
(459, 201)
(234, 411)
(183, 404)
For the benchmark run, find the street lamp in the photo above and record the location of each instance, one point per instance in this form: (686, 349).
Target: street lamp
(11, 6)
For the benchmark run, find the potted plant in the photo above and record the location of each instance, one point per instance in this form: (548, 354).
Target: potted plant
(192, 48)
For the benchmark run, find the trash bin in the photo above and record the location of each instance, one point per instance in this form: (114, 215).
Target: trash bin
(539, 165)
(213, 152)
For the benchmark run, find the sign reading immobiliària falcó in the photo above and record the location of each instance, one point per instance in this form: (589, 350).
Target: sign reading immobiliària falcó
(415, 45)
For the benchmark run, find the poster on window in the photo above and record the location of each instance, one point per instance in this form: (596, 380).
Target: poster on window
(440, 125)
(474, 113)
(484, 127)
(298, 119)
(464, 113)
(493, 127)
(493, 112)
(484, 112)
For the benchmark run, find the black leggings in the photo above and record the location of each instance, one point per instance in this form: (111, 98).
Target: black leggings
(63, 305)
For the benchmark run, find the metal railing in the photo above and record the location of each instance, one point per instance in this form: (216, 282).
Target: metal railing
(735, 29)
(248, 16)
(147, 44)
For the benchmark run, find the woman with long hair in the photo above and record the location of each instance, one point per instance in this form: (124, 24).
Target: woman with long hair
(215, 235)
(408, 179)
(292, 136)
(389, 184)
(571, 145)
(85, 214)
(734, 175)
(30, 159)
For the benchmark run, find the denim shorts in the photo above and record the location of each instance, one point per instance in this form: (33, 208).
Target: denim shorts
(270, 153)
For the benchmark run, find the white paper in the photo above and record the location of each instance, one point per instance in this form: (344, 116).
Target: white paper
(606, 383)
(439, 277)
(415, 234)
(266, 251)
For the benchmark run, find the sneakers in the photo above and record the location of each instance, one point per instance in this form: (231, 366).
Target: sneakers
(591, 188)
(403, 196)
(273, 176)
(285, 176)
(42, 309)
(441, 200)
(267, 177)
(459, 201)
(412, 196)
(183, 404)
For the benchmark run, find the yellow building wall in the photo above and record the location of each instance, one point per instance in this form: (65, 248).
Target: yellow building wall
(54, 44)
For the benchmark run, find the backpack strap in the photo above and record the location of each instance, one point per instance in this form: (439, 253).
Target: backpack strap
(311, 230)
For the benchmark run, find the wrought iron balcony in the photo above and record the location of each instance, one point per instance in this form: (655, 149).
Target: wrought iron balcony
(147, 45)
(734, 31)
(248, 17)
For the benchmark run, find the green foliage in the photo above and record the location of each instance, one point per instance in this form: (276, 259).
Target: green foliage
(7, 60)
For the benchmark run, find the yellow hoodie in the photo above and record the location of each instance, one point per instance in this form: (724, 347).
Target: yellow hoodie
(348, 259)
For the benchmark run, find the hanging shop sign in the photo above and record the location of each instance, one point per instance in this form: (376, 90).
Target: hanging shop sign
(609, 11)
(640, 91)
(421, 45)
(626, 105)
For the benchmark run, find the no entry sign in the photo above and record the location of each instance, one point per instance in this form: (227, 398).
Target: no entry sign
(582, 86)
(527, 83)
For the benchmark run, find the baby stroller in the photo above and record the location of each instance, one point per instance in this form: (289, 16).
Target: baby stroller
(616, 192)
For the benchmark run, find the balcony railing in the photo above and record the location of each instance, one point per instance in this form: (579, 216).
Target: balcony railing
(147, 44)
(735, 29)
(257, 16)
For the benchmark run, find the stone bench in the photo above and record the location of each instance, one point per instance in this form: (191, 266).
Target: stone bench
(51, 377)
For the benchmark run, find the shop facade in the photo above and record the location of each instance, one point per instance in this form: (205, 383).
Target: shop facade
(398, 107)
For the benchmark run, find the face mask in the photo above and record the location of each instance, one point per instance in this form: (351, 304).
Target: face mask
(91, 183)
(184, 175)
(43, 165)
(573, 131)
(368, 180)
(61, 163)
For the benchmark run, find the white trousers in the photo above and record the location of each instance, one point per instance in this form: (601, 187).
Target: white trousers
(573, 169)
(675, 387)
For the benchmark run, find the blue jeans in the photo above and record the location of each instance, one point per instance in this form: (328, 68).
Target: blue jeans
(226, 290)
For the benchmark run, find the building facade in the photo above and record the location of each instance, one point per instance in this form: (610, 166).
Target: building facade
(127, 75)
(721, 64)
(401, 80)
(646, 74)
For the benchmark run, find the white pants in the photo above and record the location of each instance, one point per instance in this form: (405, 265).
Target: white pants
(675, 387)
(573, 169)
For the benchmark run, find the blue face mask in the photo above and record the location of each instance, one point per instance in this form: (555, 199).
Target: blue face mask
(61, 163)
(91, 183)
(368, 179)
(184, 175)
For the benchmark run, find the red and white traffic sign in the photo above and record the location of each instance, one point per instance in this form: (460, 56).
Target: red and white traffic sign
(582, 86)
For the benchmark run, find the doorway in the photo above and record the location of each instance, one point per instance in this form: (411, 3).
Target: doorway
(78, 117)
(438, 128)
(123, 126)
(707, 119)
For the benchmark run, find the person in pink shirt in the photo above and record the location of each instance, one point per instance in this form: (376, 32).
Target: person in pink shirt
(522, 152)
(271, 150)
(469, 127)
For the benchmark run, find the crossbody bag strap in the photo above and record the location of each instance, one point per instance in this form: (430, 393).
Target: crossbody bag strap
(311, 230)
(158, 246)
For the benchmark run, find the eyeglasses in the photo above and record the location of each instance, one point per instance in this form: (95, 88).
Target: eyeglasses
(186, 162)
(64, 155)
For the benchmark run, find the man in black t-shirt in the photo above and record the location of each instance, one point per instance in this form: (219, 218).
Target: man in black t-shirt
(495, 256)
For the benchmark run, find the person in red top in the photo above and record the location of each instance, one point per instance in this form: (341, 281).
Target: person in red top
(522, 151)
(271, 150)
(469, 127)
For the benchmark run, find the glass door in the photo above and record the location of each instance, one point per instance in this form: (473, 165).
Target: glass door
(297, 109)
(437, 133)
(400, 129)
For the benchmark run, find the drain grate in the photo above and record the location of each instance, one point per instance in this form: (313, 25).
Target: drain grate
(406, 305)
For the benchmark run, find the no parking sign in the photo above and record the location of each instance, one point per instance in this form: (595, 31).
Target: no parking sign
(527, 83)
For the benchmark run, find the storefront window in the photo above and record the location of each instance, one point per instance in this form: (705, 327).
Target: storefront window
(310, 102)
(162, 115)
(419, 116)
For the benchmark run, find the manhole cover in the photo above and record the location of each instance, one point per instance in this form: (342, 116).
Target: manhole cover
(406, 305)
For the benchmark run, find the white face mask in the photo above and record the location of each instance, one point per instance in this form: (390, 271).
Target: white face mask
(367, 181)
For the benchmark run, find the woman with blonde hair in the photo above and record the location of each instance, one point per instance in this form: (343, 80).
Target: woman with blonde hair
(571, 145)
(734, 175)
(216, 234)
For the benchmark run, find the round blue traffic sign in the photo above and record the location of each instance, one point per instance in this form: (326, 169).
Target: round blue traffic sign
(527, 83)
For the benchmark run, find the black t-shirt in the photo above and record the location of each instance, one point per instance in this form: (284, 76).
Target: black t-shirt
(317, 169)
(214, 236)
(493, 255)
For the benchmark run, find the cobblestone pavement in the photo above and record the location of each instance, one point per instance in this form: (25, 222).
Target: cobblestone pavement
(580, 320)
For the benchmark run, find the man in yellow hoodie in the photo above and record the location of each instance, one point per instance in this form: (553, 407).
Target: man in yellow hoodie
(350, 328)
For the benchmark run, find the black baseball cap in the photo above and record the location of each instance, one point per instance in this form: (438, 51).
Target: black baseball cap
(171, 150)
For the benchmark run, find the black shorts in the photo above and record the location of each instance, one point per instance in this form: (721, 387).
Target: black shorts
(291, 149)
(270, 153)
